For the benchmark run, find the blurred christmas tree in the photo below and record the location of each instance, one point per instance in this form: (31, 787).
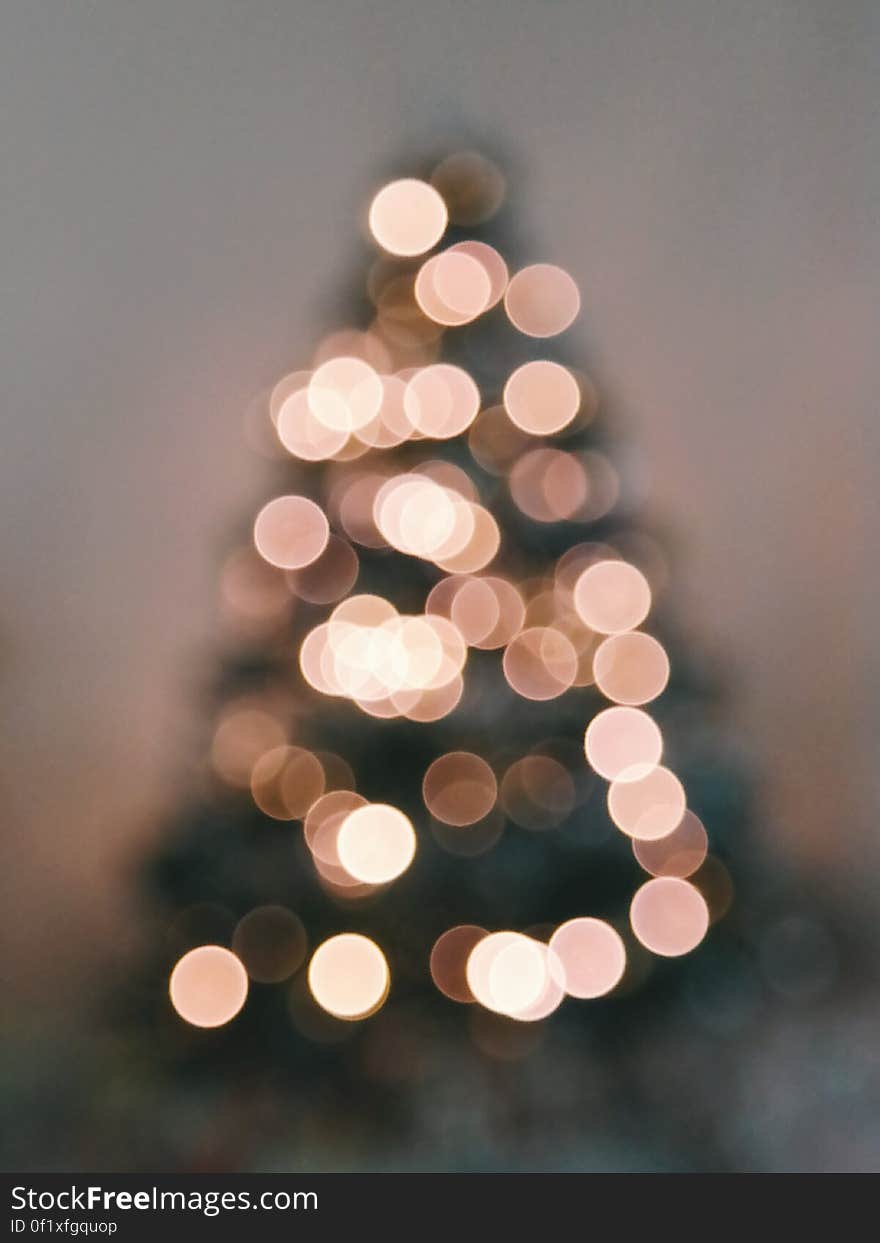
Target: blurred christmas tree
(447, 587)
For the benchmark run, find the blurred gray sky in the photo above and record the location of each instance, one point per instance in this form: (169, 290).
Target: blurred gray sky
(181, 189)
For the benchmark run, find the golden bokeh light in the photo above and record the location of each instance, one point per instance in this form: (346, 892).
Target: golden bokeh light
(648, 808)
(291, 532)
(407, 217)
(540, 663)
(348, 976)
(542, 300)
(541, 397)
(679, 853)
(669, 916)
(208, 986)
(612, 596)
(459, 788)
(631, 668)
(376, 843)
(592, 954)
(623, 744)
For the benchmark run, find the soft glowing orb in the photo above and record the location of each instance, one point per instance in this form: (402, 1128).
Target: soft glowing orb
(631, 668)
(376, 843)
(540, 663)
(612, 596)
(407, 217)
(541, 397)
(623, 744)
(649, 807)
(679, 853)
(592, 954)
(291, 532)
(208, 986)
(348, 976)
(669, 916)
(542, 300)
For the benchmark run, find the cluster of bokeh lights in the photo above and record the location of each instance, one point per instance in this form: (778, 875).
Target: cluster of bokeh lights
(368, 393)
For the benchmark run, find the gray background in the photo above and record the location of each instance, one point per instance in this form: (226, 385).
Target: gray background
(181, 192)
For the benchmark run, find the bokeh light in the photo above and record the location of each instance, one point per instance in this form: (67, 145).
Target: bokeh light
(537, 792)
(549, 485)
(449, 957)
(459, 788)
(291, 532)
(679, 853)
(472, 187)
(541, 397)
(330, 576)
(376, 843)
(407, 217)
(669, 916)
(542, 300)
(623, 744)
(592, 954)
(244, 732)
(540, 663)
(649, 807)
(208, 986)
(612, 596)
(348, 976)
(631, 668)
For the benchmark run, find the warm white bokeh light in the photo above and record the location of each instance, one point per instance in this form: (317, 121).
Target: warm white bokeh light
(407, 217)
(669, 916)
(649, 807)
(541, 397)
(208, 986)
(612, 596)
(348, 976)
(623, 744)
(376, 843)
(291, 532)
(592, 954)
